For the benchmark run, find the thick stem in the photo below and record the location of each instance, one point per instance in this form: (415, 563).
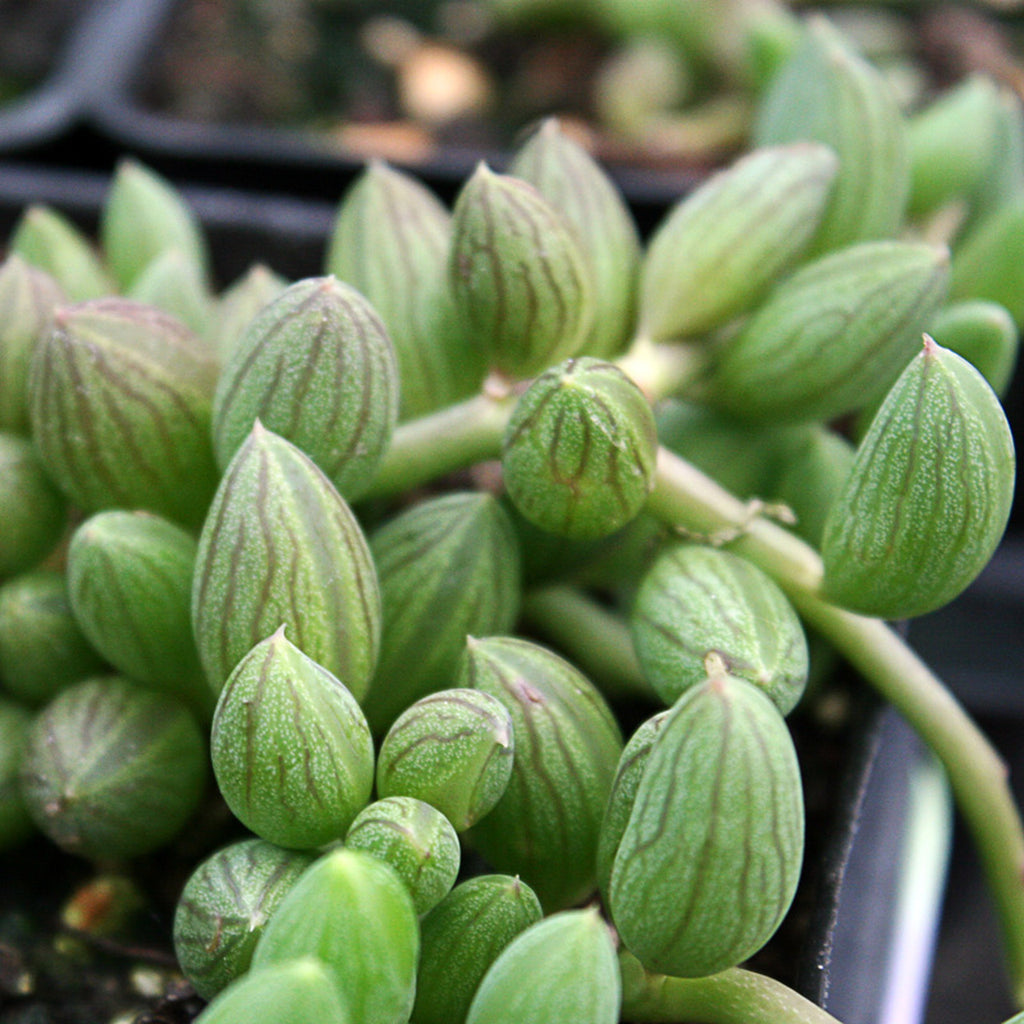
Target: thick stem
(596, 640)
(453, 438)
(684, 497)
(734, 996)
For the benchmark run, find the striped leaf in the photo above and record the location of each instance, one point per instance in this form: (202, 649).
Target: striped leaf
(521, 280)
(711, 855)
(448, 568)
(281, 546)
(567, 746)
(119, 399)
(316, 366)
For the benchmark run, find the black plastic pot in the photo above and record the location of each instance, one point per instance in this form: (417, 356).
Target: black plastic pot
(47, 111)
(262, 156)
(868, 907)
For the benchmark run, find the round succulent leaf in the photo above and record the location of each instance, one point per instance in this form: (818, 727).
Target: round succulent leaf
(390, 241)
(315, 366)
(43, 649)
(119, 399)
(48, 240)
(710, 858)
(143, 216)
(988, 262)
(521, 281)
(563, 968)
(296, 992)
(352, 913)
(448, 568)
(453, 749)
(33, 512)
(567, 745)
(827, 93)
(721, 248)
(224, 906)
(460, 939)
(28, 297)
(928, 496)
(291, 749)
(112, 770)
(129, 583)
(579, 451)
(415, 839)
(567, 176)
(280, 545)
(628, 774)
(833, 336)
(698, 600)
(15, 822)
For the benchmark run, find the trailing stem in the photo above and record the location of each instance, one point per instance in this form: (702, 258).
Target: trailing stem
(734, 996)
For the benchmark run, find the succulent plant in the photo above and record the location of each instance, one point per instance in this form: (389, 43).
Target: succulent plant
(710, 857)
(294, 992)
(448, 567)
(415, 839)
(567, 745)
(562, 968)
(43, 649)
(28, 297)
(129, 584)
(352, 913)
(281, 546)
(527, 305)
(461, 937)
(315, 366)
(119, 398)
(33, 513)
(225, 906)
(928, 496)
(15, 822)
(111, 770)
(834, 335)
(568, 177)
(452, 749)
(404, 274)
(578, 455)
(291, 749)
(698, 600)
(724, 245)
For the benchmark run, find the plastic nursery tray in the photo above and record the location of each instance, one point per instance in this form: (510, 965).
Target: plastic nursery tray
(46, 111)
(867, 911)
(256, 154)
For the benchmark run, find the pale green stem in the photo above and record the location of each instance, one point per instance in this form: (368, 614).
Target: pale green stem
(684, 497)
(597, 640)
(661, 370)
(453, 438)
(734, 996)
